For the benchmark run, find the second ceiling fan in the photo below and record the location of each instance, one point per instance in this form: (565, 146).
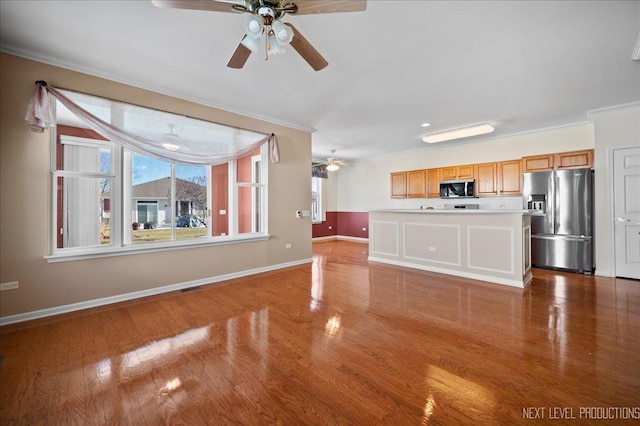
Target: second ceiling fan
(265, 18)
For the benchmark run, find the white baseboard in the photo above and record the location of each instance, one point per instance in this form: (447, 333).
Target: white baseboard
(353, 239)
(341, 238)
(321, 239)
(42, 313)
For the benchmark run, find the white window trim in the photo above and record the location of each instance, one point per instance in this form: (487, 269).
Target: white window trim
(321, 201)
(119, 246)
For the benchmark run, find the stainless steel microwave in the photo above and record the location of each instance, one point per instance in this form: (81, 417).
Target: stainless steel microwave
(457, 188)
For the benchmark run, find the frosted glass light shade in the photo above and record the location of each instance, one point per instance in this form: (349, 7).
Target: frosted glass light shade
(333, 167)
(283, 33)
(253, 26)
(274, 47)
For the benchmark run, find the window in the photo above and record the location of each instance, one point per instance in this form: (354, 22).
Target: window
(108, 198)
(317, 208)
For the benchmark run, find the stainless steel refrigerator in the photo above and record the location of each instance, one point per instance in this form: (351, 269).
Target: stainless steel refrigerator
(561, 206)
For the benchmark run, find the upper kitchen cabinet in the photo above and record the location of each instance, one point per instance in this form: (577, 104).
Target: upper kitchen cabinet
(574, 159)
(411, 184)
(558, 161)
(510, 177)
(457, 172)
(399, 185)
(537, 163)
(433, 183)
(486, 179)
(501, 178)
(417, 184)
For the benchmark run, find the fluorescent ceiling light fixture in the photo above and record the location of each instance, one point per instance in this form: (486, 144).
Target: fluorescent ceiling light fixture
(463, 132)
(426, 124)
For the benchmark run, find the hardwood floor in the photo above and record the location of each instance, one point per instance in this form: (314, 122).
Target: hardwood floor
(340, 341)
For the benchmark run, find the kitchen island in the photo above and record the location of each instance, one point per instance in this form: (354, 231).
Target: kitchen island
(486, 245)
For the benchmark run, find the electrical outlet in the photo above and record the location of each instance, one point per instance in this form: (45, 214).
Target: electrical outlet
(9, 286)
(287, 246)
(298, 214)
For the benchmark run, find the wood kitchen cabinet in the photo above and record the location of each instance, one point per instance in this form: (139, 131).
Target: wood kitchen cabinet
(537, 163)
(558, 161)
(501, 178)
(433, 183)
(411, 184)
(509, 177)
(486, 179)
(399, 185)
(498, 178)
(574, 159)
(416, 184)
(457, 172)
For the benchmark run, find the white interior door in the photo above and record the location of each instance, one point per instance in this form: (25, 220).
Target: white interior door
(626, 205)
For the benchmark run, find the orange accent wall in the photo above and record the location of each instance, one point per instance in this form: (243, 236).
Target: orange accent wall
(219, 199)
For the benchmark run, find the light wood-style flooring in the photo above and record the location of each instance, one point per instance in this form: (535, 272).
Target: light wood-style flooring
(339, 341)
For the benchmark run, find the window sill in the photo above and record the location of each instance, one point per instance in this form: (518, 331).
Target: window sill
(83, 254)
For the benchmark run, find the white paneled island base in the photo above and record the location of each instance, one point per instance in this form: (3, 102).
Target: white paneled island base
(486, 245)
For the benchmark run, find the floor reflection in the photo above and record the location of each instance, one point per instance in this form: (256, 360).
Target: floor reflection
(339, 341)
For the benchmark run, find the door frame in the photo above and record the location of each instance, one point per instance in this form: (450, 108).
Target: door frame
(611, 209)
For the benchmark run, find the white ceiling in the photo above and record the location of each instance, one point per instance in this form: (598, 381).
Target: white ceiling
(521, 66)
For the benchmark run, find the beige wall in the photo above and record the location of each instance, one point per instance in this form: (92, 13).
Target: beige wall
(25, 203)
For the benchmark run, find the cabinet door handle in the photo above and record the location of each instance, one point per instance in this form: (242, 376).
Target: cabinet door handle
(622, 219)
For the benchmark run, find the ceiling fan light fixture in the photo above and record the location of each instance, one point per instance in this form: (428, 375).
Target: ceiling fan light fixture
(463, 132)
(333, 167)
(172, 141)
(171, 146)
(253, 26)
(274, 47)
(283, 33)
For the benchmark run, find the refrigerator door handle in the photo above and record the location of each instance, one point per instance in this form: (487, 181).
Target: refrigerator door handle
(562, 237)
(556, 204)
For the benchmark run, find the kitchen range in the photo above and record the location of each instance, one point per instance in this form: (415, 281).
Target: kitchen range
(561, 206)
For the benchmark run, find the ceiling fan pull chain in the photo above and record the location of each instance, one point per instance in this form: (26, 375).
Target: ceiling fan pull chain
(268, 46)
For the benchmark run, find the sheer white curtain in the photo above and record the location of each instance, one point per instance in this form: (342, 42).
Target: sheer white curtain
(171, 137)
(81, 216)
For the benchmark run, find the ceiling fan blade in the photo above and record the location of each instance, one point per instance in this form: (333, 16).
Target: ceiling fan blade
(306, 50)
(210, 5)
(306, 7)
(239, 57)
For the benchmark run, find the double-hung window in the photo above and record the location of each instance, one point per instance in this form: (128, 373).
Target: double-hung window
(108, 198)
(317, 208)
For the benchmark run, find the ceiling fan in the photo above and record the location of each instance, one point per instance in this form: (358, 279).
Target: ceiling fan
(333, 163)
(264, 17)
